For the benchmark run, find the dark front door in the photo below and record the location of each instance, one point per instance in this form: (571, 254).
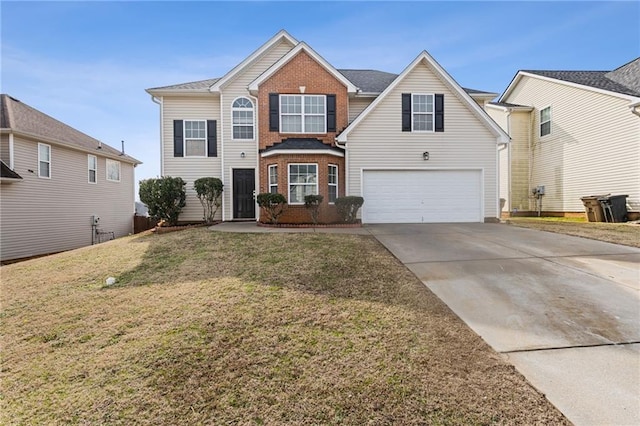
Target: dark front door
(244, 185)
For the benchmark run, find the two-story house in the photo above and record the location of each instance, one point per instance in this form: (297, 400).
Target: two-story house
(575, 133)
(417, 146)
(60, 188)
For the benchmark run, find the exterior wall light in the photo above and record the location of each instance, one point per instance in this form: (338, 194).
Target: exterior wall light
(242, 154)
(425, 155)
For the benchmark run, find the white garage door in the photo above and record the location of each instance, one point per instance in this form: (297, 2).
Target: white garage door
(416, 196)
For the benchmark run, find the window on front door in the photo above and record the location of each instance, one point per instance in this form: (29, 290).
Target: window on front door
(303, 180)
(303, 114)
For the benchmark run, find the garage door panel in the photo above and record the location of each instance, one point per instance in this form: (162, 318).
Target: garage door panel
(416, 196)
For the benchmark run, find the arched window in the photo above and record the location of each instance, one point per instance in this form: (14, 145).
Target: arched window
(242, 118)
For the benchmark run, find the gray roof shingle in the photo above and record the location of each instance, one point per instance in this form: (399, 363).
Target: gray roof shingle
(509, 105)
(301, 143)
(7, 173)
(628, 75)
(599, 79)
(20, 117)
(192, 85)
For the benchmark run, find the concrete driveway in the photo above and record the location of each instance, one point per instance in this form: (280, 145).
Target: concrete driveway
(565, 311)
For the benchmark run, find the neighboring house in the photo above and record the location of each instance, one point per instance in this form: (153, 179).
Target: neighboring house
(55, 179)
(417, 146)
(577, 133)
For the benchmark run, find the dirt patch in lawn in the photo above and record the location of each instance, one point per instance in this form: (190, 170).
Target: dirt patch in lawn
(627, 234)
(205, 327)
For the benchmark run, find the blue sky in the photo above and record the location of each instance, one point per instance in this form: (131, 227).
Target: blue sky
(88, 63)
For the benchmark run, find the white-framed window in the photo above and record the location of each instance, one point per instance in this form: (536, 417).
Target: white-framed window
(303, 180)
(332, 178)
(422, 112)
(242, 118)
(303, 114)
(273, 179)
(44, 160)
(92, 165)
(113, 170)
(195, 138)
(545, 121)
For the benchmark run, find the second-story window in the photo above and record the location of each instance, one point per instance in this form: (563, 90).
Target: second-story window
(195, 138)
(303, 114)
(44, 161)
(242, 118)
(92, 163)
(545, 121)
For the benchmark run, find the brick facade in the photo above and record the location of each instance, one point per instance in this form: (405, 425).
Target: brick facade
(302, 70)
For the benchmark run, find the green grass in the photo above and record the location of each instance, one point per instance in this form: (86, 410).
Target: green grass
(206, 327)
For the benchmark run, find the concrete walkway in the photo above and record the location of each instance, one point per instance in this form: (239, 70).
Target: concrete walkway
(565, 311)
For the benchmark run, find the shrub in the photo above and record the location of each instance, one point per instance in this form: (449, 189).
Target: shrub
(348, 208)
(165, 197)
(273, 205)
(312, 203)
(209, 190)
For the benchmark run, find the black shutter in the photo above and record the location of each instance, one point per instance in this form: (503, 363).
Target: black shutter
(274, 112)
(331, 113)
(212, 138)
(406, 112)
(439, 101)
(178, 145)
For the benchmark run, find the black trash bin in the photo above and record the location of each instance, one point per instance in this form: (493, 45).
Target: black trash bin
(618, 206)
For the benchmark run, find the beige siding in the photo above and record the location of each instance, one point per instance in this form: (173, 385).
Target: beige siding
(593, 148)
(357, 105)
(4, 149)
(466, 143)
(501, 118)
(234, 148)
(520, 128)
(190, 169)
(48, 215)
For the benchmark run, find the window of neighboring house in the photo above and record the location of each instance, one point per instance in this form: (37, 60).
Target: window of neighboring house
(273, 179)
(303, 114)
(545, 121)
(92, 161)
(303, 180)
(422, 113)
(333, 183)
(242, 117)
(195, 138)
(113, 170)
(44, 160)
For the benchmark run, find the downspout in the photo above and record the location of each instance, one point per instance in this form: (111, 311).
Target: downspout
(11, 150)
(530, 148)
(159, 101)
(256, 136)
(222, 170)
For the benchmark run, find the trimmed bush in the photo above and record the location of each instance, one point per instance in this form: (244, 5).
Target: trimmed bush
(312, 203)
(209, 190)
(273, 205)
(348, 208)
(165, 197)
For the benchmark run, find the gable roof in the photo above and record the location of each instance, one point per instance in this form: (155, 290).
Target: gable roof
(500, 134)
(623, 81)
(369, 81)
(281, 35)
(196, 86)
(20, 118)
(300, 47)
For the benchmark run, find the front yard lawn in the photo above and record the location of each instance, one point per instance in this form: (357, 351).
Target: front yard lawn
(214, 328)
(617, 233)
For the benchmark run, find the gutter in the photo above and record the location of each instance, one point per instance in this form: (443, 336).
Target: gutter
(634, 108)
(158, 101)
(346, 165)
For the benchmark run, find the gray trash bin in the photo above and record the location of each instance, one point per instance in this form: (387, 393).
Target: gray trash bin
(617, 205)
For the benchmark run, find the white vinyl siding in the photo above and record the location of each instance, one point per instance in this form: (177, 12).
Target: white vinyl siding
(44, 161)
(593, 148)
(356, 106)
(92, 168)
(235, 88)
(190, 168)
(379, 143)
(113, 170)
(30, 207)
